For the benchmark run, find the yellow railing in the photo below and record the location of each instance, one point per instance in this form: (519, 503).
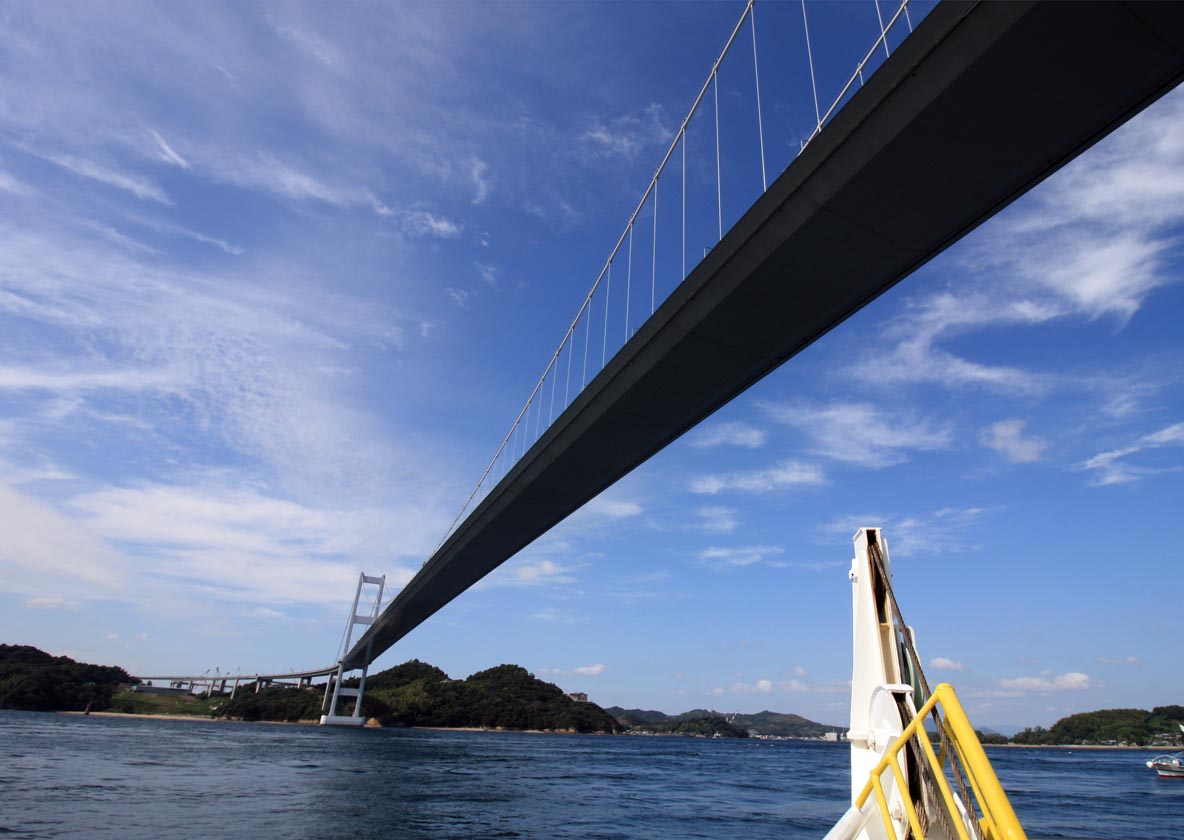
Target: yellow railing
(996, 819)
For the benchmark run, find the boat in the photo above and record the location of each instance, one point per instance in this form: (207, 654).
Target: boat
(918, 769)
(1168, 766)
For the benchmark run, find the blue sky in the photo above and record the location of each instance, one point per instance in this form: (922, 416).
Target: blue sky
(275, 280)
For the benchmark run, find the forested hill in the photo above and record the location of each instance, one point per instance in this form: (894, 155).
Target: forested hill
(771, 724)
(1111, 726)
(418, 694)
(33, 680)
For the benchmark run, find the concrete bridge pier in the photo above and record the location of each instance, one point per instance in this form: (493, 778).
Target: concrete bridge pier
(329, 705)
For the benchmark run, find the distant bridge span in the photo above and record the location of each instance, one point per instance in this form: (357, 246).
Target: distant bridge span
(302, 676)
(978, 105)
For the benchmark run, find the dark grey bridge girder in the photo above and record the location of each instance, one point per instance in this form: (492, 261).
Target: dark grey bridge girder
(977, 106)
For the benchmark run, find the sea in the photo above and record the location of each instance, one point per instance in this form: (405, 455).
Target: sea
(132, 778)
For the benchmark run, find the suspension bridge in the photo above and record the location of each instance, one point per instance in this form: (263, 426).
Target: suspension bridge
(942, 122)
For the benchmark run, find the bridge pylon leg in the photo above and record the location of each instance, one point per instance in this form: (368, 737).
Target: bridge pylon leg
(334, 689)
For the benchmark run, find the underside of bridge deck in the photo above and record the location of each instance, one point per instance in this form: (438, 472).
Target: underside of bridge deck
(979, 104)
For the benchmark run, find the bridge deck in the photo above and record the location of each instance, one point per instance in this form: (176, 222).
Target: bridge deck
(979, 104)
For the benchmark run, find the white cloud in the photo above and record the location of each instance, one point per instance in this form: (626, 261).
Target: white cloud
(167, 153)
(423, 223)
(725, 558)
(47, 603)
(11, 185)
(1120, 660)
(758, 687)
(478, 170)
(941, 663)
(729, 434)
(944, 531)
(801, 687)
(1114, 467)
(522, 572)
(40, 543)
(489, 274)
(1087, 244)
(1006, 437)
(782, 474)
(628, 135)
(1072, 681)
(66, 381)
(460, 297)
(555, 616)
(609, 507)
(140, 187)
(717, 520)
(860, 433)
(239, 544)
(579, 671)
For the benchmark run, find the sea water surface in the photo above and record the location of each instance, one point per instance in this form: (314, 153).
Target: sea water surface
(130, 778)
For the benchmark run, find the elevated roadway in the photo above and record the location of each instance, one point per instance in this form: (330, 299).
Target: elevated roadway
(302, 676)
(978, 105)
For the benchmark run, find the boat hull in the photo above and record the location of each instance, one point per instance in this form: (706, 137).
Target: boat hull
(1168, 766)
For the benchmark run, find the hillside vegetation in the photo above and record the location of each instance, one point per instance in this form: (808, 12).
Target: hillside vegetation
(33, 680)
(1110, 726)
(418, 694)
(701, 721)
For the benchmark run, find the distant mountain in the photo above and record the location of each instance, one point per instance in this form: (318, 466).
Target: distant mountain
(762, 723)
(785, 725)
(631, 716)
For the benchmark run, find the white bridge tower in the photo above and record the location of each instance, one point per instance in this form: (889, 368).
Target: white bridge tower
(334, 689)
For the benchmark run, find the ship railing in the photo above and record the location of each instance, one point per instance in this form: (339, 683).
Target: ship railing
(981, 812)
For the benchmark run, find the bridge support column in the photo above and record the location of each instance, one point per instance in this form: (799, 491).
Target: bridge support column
(330, 716)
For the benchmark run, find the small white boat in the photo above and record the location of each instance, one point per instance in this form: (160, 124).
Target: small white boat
(1168, 766)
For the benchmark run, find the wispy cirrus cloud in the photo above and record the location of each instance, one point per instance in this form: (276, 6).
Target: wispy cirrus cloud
(860, 433)
(717, 519)
(527, 572)
(578, 671)
(942, 663)
(1116, 466)
(167, 153)
(65, 381)
(794, 686)
(779, 476)
(425, 224)
(1088, 244)
(628, 135)
(738, 557)
(138, 185)
(1049, 682)
(947, 530)
(50, 603)
(729, 434)
(553, 615)
(239, 543)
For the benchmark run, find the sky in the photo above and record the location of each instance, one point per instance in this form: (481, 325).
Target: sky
(277, 278)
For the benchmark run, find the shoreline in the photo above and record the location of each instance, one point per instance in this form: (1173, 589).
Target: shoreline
(143, 716)
(376, 725)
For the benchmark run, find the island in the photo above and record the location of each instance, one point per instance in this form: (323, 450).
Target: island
(506, 697)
